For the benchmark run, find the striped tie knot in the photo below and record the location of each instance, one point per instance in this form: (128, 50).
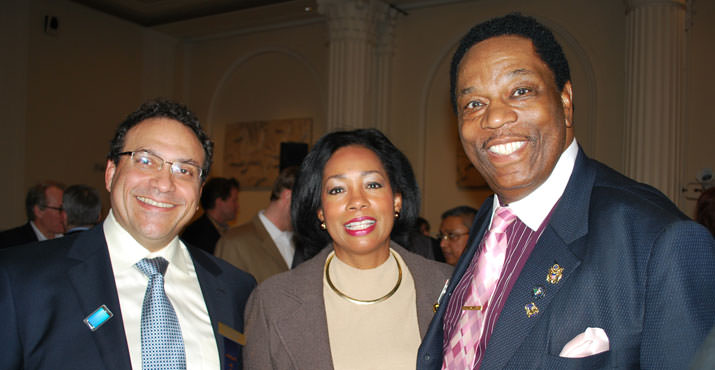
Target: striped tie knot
(503, 217)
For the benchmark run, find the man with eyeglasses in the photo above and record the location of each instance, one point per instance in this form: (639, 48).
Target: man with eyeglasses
(454, 232)
(43, 205)
(129, 293)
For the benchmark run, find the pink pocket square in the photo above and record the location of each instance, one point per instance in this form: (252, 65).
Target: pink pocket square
(591, 342)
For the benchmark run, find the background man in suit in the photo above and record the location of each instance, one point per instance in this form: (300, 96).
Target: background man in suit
(43, 205)
(264, 246)
(219, 199)
(157, 162)
(598, 270)
(454, 232)
(82, 208)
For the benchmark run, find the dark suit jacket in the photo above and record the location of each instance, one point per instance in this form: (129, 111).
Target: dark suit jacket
(47, 289)
(633, 265)
(286, 324)
(17, 236)
(202, 233)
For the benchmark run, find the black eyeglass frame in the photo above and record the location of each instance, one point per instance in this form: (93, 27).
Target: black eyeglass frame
(450, 236)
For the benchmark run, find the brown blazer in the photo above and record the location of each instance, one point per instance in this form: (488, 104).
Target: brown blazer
(286, 325)
(250, 248)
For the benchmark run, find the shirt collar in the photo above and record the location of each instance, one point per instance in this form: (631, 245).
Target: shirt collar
(533, 209)
(40, 236)
(272, 229)
(125, 251)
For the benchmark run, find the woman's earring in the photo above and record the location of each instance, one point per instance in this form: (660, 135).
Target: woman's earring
(397, 214)
(322, 226)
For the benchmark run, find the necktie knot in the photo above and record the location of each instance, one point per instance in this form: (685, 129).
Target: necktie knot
(503, 217)
(153, 266)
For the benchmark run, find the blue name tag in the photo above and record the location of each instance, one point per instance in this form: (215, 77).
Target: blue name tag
(98, 317)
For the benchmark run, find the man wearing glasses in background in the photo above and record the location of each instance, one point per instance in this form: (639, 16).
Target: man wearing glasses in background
(43, 205)
(454, 232)
(129, 293)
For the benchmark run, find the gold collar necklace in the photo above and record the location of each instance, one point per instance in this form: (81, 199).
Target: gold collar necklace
(363, 301)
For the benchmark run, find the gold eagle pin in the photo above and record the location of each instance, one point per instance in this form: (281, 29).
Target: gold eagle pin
(531, 309)
(555, 274)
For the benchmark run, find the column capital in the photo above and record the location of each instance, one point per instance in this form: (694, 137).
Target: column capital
(354, 9)
(355, 19)
(635, 4)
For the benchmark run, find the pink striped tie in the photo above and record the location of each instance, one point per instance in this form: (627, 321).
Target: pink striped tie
(465, 338)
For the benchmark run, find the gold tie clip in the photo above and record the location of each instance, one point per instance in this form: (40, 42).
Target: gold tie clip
(464, 308)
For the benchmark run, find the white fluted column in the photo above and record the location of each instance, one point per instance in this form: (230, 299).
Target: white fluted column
(655, 52)
(357, 80)
(385, 49)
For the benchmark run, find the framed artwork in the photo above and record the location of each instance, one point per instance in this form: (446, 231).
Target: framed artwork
(252, 149)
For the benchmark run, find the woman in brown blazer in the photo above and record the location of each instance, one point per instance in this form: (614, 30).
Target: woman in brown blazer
(362, 301)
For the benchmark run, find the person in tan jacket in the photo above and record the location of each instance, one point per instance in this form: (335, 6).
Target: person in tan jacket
(264, 246)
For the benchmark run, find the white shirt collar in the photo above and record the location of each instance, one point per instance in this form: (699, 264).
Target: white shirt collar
(533, 209)
(272, 229)
(40, 236)
(125, 251)
(282, 239)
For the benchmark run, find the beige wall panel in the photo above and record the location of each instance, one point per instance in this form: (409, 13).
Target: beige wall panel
(81, 82)
(14, 24)
(699, 133)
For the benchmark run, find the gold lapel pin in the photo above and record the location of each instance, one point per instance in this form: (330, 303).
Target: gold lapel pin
(531, 309)
(555, 274)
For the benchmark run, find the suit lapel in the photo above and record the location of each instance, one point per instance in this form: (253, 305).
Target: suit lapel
(514, 325)
(90, 274)
(568, 223)
(267, 243)
(215, 295)
(310, 309)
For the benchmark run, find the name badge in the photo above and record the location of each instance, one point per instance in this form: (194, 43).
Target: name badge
(232, 340)
(98, 317)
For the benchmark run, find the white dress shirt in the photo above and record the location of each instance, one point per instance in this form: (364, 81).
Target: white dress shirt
(181, 285)
(533, 208)
(283, 239)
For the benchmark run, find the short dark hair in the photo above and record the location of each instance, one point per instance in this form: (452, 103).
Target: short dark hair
(82, 205)
(545, 45)
(37, 196)
(163, 108)
(215, 188)
(310, 239)
(466, 213)
(285, 180)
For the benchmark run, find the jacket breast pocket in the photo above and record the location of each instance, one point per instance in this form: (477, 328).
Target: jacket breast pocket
(597, 361)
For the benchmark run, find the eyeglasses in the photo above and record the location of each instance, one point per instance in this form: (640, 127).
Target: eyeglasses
(451, 236)
(149, 161)
(58, 209)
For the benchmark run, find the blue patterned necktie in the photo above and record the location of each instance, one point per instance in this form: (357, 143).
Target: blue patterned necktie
(162, 344)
